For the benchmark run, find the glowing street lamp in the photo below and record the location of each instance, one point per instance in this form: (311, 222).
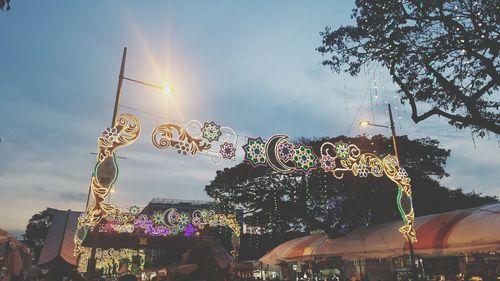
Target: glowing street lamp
(167, 89)
(365, 123)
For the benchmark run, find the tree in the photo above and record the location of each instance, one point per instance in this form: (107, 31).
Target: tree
(318, 201)
(442, 54)
(36, 231)
(5, 5)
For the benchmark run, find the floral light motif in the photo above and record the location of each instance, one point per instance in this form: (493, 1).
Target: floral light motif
(255, 151)
(341, 150)
(134, 210)
(327, 163)
(304, 158)
(211, 131)
(171, 135)
(110, 134)
(182, 147)
(227, 150)
(286, 151)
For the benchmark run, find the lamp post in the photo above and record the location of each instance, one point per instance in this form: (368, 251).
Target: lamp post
(365, 123)
(167, 90)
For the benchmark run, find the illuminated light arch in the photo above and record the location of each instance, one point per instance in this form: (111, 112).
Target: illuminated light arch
(277, 153)
(103, 217)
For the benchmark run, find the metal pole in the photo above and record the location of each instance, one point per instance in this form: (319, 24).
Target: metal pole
(393, 131)
(412, 261)
(119, 87)
(410, 243)
(92, 261)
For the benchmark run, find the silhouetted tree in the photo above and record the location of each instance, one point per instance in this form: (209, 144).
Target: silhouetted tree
(318, 201)
(36, 231)
(4, 5)
(443, 55)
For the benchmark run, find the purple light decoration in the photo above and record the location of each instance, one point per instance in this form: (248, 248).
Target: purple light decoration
(190, 230)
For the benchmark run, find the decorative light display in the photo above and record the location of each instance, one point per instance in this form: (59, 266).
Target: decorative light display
(190, 230)
(104, 217)
(227, 150)
(304, 158)
(134, 210)
(277, 152)
(339, 158)
(255, 151)
(110, 260)
(163, 137)
(197, 138)
(211, 131)
(124, 133)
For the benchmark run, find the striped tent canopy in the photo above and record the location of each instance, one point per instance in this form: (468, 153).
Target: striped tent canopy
(456, 232)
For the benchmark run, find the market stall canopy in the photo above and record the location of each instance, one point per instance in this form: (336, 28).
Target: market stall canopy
(295, 250)
(456, 232)
(59, 244)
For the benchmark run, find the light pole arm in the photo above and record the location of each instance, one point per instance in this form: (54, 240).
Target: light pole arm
(375, 125)
(143, 83)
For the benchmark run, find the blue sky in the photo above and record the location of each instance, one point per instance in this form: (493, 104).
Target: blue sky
(250, 65)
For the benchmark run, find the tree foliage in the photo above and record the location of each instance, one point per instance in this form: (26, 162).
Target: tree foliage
(4, 5)
(318, 201)
(442, 54)
(36, 231)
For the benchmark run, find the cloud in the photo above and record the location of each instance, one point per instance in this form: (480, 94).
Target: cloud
(74, 196)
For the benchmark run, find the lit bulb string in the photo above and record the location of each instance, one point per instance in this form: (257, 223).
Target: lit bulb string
(361, 105)
(346, 100)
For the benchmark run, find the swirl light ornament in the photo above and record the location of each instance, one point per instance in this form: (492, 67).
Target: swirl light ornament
(125, 132)
(163, 137)
(339, 158)
(217, 142)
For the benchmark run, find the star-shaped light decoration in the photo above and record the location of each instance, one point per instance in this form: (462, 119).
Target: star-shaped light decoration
(255, 151)
(158, 218)
(227, 150)
(327, 163)
(286, 151)
(211, 131)
(304, 158)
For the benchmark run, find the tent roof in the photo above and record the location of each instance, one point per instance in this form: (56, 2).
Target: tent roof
(59, 243)
(468, 230)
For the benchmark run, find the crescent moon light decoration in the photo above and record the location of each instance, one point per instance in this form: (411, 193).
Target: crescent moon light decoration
(284, 157)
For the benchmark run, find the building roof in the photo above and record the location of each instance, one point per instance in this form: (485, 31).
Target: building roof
(59, 243)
